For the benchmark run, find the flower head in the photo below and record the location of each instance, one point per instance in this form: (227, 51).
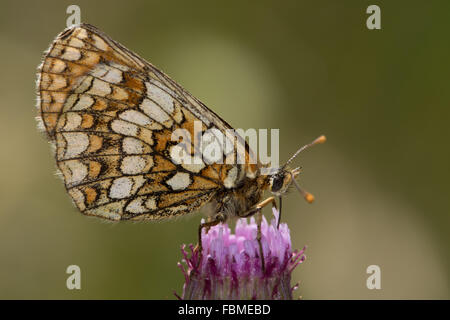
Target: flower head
(230, 266)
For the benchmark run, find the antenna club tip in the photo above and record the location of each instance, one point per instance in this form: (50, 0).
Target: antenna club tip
(309, 197)
(321, 139)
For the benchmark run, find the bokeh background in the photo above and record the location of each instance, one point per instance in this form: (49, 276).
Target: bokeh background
(306, 67)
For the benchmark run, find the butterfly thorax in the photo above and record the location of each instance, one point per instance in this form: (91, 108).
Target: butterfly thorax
(237, 201)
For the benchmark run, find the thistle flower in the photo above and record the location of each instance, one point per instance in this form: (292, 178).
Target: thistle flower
(230, 266)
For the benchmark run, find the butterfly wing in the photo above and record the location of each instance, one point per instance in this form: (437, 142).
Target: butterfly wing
(111, 116)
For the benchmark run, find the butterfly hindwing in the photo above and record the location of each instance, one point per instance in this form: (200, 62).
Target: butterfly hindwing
(111, 116)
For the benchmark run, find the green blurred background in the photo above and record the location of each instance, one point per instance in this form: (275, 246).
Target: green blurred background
(307, 67)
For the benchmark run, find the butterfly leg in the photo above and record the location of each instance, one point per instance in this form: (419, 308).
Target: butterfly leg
(279, 212)
(257, 211)
(258, 238)
(207, 225)
(257, 208)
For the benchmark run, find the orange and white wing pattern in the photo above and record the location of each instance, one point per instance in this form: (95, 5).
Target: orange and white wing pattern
(111, 115)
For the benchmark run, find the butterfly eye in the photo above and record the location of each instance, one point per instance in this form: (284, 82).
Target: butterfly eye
(277, 183)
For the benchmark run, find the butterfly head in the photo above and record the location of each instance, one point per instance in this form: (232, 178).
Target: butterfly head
(283, 178)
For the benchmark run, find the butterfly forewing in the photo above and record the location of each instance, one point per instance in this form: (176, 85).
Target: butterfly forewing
(111, 116)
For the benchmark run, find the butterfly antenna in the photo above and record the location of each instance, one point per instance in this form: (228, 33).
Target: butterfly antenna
(318, 140)
(308, 196)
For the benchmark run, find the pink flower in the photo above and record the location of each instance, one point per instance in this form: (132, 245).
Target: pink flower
(231, 265)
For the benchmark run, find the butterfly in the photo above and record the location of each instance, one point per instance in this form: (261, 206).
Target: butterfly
(111, 116)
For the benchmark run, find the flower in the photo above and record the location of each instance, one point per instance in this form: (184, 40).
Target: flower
(230, 265)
